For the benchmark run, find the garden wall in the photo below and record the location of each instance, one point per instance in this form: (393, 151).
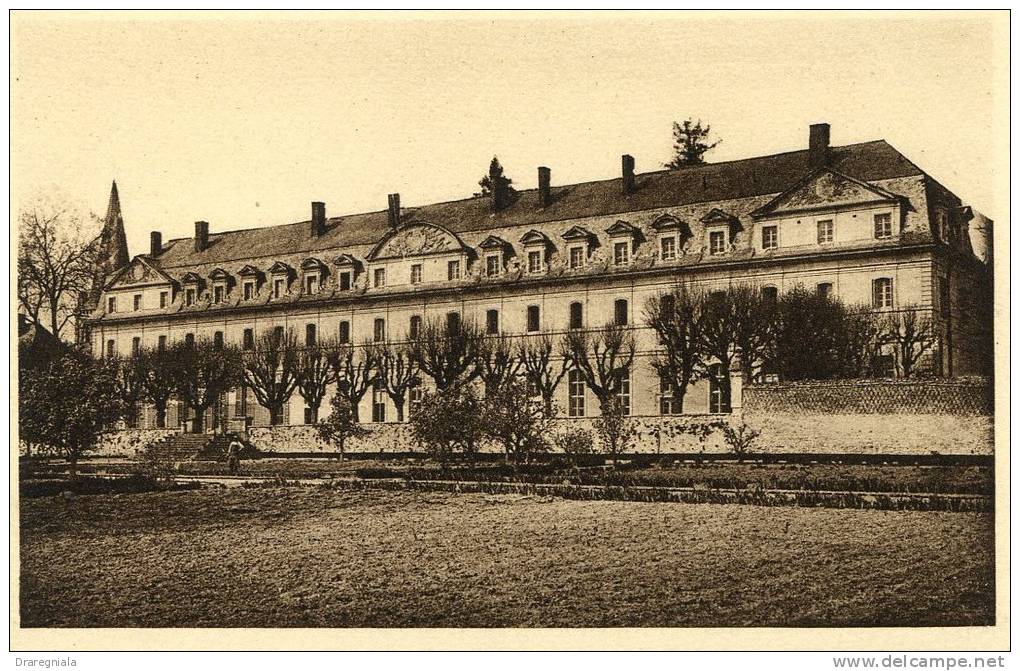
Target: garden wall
(119, 443)
(873, 416)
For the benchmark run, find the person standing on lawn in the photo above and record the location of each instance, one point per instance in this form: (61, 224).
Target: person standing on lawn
(234, 455)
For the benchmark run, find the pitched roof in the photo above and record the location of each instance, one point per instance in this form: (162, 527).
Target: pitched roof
(728, 180)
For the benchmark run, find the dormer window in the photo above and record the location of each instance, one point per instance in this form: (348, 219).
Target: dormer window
(189, 296)
(346, 267)
(313, 272)
(536, 247)
(249, 282)
(249, 289)
(717, 242)
(672, 232)
(577, 255)
(494, 249)
(191, 282)
(667, 246)
(311, 284)
(493, 264)
(218, 293)
(536, 263)
(621, 253)
(281, 274)
(220, 282)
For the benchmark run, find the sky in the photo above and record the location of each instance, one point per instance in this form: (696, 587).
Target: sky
(242, 121)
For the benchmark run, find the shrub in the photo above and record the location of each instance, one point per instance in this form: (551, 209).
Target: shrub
(157, 465)
(448, 422)
(615, 428)
(739, 438)
(574, 441)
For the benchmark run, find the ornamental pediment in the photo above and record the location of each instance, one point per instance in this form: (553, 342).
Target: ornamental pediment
(417, 239)
(824, 189)
(138, 273)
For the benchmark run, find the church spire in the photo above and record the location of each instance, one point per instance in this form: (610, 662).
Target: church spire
(113, 249)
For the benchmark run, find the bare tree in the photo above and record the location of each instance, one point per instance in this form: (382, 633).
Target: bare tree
(271, 370)
(602, 356)
(911, 331)
(717, 330)
(155, 371)
(543, 368)
(676, 319)
(448, 353)
(315, 372)
(396, 367)
(355, 370)
(498, 362)
(57, 254)
(202, 373)
(755, 317)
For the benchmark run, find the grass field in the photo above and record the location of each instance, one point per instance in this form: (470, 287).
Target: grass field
(291, 556)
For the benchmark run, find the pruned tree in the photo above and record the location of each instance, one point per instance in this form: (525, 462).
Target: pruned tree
(516, 421)
(202, 373)
(271, 370)
(315, 372)
(690, 144)
(717, 330)
(65, 406)
(155, 371)
(494, 179)
(398, 370)
(675, 318)
(912, 332)
(448, 422)
(544, 368)
(355, 372)
(129, 383)
(861, 342)
(616, 430)
(498, 362)
(603, 357)
(341, 424)
(756, 322)
(58, 249)
(448, 353)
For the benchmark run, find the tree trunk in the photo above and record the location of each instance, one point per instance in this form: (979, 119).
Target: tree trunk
(198, 424)
(400, 410)
(73, 469)
(161, 416)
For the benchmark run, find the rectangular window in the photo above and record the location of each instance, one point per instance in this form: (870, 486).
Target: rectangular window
(492, 265)
(769, 237)
(882, 292)
(111, 304)
(189, 339)
(378, 400)
(452, 322)
(717, 242)
(379, 330)
(576, 315)
(620, 312)
(824, 289)
(278, 334)
(492, 322)
(416, 273)
(883, 226)
(111, 347)
(218, 340)
(621, 253)
(824, 231)
(379, 278)
(217, 294)
(415, 328)
(453, 270)
(311, 284)
(414, 400)
(667, 245)
(309, 419)
(576, 257)
(189, 296)
(161, 343)
(164, 298)
(533, 319)
(137, 302)
(770, 294)
(944, 296)
(534, 261)
(345, 280)
(249, 291)
(575, 391)
(249, 339)
(136, 345)
(625, 391)
(345, 332)
(669, 404)
(278, 287)
(942, 225)
(309, 335)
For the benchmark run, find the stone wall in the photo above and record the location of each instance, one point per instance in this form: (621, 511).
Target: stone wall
(868, 416)
(119, 443)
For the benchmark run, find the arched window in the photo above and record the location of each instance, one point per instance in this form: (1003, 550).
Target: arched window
(718, 390)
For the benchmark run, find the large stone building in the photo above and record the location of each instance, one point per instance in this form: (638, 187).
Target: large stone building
(861, 222)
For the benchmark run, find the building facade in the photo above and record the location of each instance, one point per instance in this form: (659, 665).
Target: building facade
(860, 222)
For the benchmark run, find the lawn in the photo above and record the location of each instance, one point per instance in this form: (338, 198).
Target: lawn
(293, 556)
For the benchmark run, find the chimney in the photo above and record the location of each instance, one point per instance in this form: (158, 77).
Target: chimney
(318, 219)
(155, 243)
(628, 173)
(201, 235)
(544, 176)
(394, 210)
(818, 145)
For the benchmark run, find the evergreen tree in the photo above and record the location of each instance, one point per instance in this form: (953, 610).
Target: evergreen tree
(495, 178)
(690, 143)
